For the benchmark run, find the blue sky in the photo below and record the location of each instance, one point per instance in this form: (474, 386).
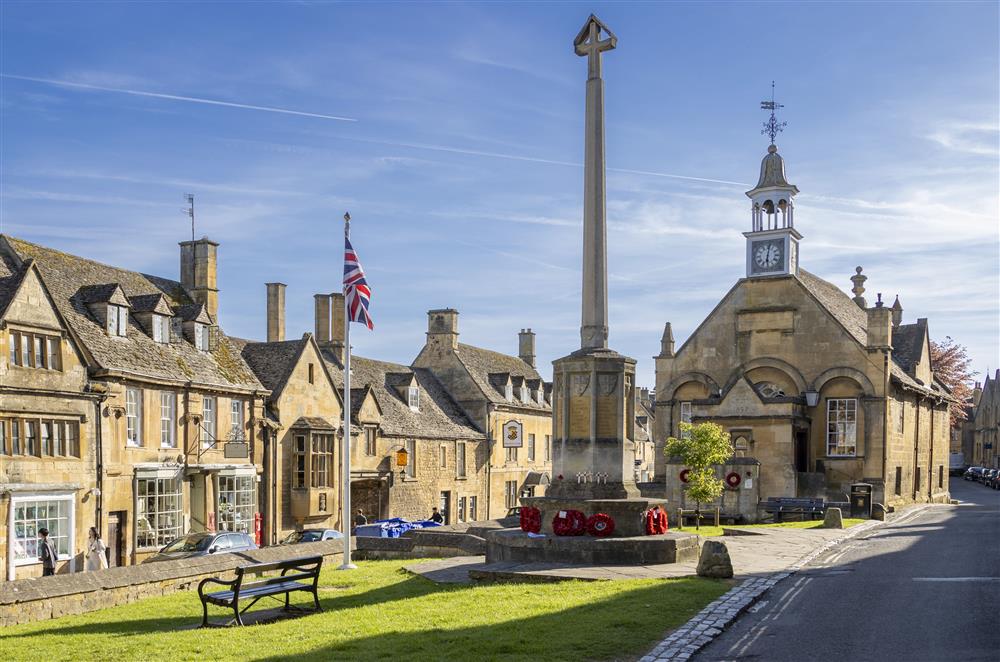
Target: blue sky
(462, 165)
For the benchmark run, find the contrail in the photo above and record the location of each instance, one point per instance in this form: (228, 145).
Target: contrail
(175, 97)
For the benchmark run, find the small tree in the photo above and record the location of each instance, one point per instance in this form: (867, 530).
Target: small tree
(951, 364)
(700, 448)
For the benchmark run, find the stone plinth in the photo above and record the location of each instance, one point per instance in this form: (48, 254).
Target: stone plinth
(629, 514)
(593, 426)
(515, 545)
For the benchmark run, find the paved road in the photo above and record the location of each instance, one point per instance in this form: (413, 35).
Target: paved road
(923, 588)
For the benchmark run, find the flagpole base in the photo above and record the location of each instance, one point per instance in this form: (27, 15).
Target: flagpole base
(348, 566)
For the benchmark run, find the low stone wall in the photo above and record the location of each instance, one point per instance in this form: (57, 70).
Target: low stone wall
(41, 598)
(421, 543)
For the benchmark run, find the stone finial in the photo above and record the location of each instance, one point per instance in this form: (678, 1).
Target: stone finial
(667, 341)
(897, 312)
(859, 288)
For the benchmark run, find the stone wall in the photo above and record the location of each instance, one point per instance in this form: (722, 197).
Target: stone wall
(28, 600)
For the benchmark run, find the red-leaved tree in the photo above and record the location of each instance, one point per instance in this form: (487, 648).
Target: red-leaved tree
(953, 368)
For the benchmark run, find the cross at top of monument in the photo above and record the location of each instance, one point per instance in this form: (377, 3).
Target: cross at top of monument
(772, 127)
(588, 42)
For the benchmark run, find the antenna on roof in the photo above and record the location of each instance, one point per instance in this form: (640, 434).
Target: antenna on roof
(189, 198)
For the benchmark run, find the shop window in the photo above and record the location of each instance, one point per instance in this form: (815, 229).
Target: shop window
(160, 516)
(237, 503)
(33, 514)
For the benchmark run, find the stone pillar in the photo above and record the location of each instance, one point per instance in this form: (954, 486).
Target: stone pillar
(275, 312)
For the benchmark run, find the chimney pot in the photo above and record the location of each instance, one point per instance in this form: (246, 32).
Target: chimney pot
(526, 346)
(199, 273)
(322, 302)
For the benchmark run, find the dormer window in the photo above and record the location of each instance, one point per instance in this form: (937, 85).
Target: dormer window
(117, 320)
(541, 396)
(161, 328)
(525, 396)
(413, 398)
(509, 392)
(201, 336)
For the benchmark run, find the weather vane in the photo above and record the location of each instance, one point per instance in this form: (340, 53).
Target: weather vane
(772, 127)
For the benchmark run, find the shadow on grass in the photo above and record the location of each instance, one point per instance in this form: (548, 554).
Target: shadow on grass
(414, 587)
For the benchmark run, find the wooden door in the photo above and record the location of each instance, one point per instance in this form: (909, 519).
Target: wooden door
(114, 541)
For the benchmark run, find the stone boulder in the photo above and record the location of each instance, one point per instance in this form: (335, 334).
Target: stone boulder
(714, 561)
(834, 519)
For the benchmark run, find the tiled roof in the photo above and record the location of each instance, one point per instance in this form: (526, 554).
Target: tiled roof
(438, 416)
(485, 366)
(852, 318)
(137, 354)
(10, 279)
(272, 362)
(908, 343)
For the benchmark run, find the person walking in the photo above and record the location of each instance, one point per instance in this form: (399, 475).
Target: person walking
(436, 516)
(360, 519)
(96, 558)
(47, 553)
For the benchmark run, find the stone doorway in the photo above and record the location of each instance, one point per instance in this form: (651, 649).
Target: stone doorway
(801, 450)
(370, 495)
(114, 541)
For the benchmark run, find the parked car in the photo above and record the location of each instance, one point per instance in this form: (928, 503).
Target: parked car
(203, 544)
(514, 512)
(986, 476)
(973, 473)
(311, 535)
(991, 478)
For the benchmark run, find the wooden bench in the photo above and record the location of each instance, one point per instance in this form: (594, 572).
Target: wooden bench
(781, 506)
(299, 574)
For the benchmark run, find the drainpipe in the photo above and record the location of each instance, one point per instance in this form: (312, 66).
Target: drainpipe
(489, 460)
(99, 450)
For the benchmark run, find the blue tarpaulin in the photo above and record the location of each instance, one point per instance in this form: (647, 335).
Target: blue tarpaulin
(391, 528)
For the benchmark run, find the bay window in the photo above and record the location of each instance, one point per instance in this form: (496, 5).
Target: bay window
(34, 512)
(321, 461)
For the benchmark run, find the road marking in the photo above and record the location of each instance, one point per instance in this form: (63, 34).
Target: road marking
(956, 579)
(757, 607)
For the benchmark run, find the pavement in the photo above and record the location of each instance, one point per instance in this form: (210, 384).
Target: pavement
(758, 555)
(924, 587)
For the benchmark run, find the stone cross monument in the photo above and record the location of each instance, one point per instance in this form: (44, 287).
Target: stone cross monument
(594, 387)
(594, 323)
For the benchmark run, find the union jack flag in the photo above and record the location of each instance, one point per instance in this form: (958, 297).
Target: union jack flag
(356, 290)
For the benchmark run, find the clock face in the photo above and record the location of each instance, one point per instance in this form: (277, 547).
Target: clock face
(767, 255)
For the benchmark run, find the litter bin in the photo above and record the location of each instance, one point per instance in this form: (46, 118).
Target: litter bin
(861, 500)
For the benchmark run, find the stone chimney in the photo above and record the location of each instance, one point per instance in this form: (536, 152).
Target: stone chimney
(199, 271)
(667, 341)
(275, 312)
(897, 312)
(977, 394)
(442, 328)
(526, 346)
(879, 326)
(337, 328)
(322, 318)
(859, 288)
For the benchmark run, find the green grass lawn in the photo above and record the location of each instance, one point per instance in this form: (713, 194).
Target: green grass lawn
(709, 531)
(381, 612)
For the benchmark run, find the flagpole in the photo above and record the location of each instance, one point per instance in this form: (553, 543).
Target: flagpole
(345, 448)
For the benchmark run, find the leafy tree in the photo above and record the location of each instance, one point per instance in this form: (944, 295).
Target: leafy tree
(700, 448)
(953, 368)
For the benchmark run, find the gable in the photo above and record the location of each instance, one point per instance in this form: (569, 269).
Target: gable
(369, 411)
(742, 400)
(31, 305)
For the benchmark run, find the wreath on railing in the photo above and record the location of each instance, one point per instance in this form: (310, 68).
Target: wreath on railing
(531, 519)
(569, 523)
(684, 475)
(733, 480)
(600, 525)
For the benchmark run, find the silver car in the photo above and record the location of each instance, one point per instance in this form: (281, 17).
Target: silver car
(202, 544)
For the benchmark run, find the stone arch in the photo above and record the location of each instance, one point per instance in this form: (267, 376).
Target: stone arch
(778, 364)
(849, 373)
(681, 380)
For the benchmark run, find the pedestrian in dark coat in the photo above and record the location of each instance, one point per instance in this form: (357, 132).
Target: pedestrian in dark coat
(47, 553)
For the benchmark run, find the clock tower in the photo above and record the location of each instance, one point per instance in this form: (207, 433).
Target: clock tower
(773, 241)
